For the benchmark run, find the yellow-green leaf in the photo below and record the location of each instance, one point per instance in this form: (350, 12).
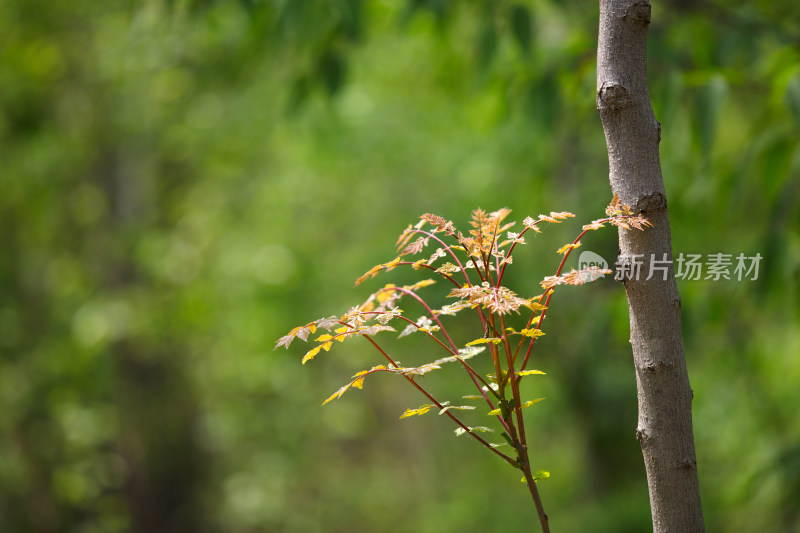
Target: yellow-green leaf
(418, 411)
(532, 332)
(337, 394)
(494, 412)
(538, 476)
(392, 264)
(531, 402)
(484, 340)
(534, 305)
(371, 273)
(310, 354)
(359, 383)
(568, 247)
(420, 284)
(531, 372)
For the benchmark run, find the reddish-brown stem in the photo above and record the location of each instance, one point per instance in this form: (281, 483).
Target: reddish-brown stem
(549, 293)
(436, 402)
(472, 373)
(511, 250)
(405, 319)
(521, 443)
(446, 247)
(534, 490)
(431, 267)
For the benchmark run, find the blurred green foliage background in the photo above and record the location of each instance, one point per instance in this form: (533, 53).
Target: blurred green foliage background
(184, 181)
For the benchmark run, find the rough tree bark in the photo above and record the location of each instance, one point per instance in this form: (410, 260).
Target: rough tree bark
(665, 397)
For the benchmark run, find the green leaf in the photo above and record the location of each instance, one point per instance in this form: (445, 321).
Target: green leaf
(484, 340)
(531, 402)
(531, 373)
(487, 44)
(793, 97)
(421, 410)
(540, 475)
(521, 26)
(332, 70)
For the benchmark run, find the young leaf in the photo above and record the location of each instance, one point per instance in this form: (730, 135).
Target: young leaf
(531, 372)
(415, 247)
(575, 277)
(419, 284)
(421, 410)
(596, 224)
(310, 354)
(371, 273)
(531, 402)
(359, 382)
(284, 341)
(484, 340)
(482, 429)
(531, 224)
(337, 394)
(328, 323)
(303, 332)
(447, 268)
(567, 247)
(443, 410)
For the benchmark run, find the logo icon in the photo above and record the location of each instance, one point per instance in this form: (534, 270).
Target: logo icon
(589, 259)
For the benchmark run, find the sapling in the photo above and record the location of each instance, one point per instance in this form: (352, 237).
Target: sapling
(475, 265)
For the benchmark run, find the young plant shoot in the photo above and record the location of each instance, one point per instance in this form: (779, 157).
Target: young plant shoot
(475, 265)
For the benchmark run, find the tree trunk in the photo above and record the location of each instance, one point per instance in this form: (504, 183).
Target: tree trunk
(665, 397)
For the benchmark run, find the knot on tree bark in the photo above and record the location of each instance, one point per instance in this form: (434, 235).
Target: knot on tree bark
(652, 367)
(613, 96)
(642, 437)
(638, 12)
(649, 203)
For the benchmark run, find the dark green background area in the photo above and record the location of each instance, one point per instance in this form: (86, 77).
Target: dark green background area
(183, 182)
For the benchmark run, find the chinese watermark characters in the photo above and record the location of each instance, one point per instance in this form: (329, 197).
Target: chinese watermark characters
(713, 267)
